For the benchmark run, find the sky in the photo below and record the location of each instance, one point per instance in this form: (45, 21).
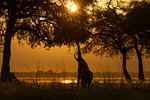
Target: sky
(58, 59)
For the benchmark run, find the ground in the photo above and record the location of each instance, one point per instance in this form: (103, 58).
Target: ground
(59, 91)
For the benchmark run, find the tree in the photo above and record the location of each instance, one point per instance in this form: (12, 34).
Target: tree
(72, 26)
(2, 30)
(1, 39)
(30, 19)
(42, 21)
(109, 37)
(1, 42)
(138, 26)
(72, 30)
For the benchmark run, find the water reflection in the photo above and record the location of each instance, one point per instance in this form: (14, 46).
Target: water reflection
(74, 80)
(68, 81)
(47, 80)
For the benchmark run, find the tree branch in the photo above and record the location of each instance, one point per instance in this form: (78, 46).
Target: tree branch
(26, 28)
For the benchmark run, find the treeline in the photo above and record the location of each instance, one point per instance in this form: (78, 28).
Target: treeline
(51, 74)
(45, 74)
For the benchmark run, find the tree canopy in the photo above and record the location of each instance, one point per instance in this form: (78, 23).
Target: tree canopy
(39, 22)
(31, 20)
(138, 25)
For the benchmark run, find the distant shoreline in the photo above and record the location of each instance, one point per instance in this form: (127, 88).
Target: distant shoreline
(50, 73)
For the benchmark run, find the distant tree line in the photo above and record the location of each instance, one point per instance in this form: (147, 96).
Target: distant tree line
(122, 28)
(46, 74)
(51, 74)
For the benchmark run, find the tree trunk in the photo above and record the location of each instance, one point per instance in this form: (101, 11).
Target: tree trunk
(141, 73)
(5, 71)
(125, 72)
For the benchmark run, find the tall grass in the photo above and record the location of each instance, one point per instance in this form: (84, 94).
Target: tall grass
(109, 89)
(60, 91)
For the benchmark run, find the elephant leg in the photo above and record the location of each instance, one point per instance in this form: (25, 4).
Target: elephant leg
(83, 83)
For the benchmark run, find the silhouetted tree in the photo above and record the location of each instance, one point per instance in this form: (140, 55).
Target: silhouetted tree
(2, 30)
(1, 42)
(138, 26)
(72, 26)
(27, 19)
(1, 39)
(109, 37)
(72, 30)
(39, 22)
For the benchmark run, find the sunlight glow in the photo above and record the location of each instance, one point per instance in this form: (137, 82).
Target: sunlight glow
(71, 6)
(74, 8)
(66, 81)
(102, 4)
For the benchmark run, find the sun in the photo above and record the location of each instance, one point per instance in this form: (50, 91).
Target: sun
(71, 6)
(74, 8)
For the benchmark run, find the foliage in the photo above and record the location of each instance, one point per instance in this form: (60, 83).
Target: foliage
(2, 31)
(33, 21)
(138, 26)
(48, 21)
(109, 37)
(72, 26)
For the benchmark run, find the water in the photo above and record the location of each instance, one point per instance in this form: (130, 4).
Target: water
(74, 80)
(47, 80)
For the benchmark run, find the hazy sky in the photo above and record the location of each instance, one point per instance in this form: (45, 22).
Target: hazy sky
(24, 58)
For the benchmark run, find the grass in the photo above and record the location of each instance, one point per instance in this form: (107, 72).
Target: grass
(60, 91)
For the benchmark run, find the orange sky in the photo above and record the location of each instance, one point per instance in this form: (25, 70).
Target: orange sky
(24, 58)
